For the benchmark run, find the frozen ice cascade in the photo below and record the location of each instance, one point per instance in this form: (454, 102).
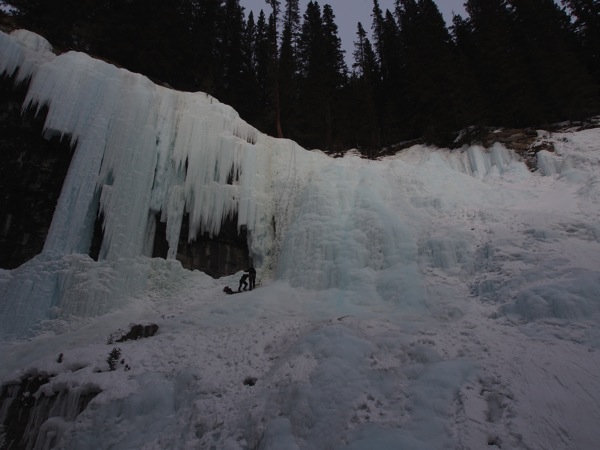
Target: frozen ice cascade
(141, 149)
(431, 299)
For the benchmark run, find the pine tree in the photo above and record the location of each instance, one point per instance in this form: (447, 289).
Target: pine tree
(562, 87)
(288, 89)
(385, 34)
(238, 86)
(205, 42)
(377, 28)
(322, 73)
(266, 73)
(431, 72)
(274, 66)
(250, 85)
(312, 91)
(468, 89)
(230, 56)
(363, 131)
(388, 92)
(498, 63)
(291, 19)
(275, 7)
(365, 60)
(586, 14)
(336, 74)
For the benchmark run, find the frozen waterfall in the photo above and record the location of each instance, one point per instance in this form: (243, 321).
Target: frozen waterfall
(430, 299)
(142, 150)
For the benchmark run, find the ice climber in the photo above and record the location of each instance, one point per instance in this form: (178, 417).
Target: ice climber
(243, 282)
(252, 272)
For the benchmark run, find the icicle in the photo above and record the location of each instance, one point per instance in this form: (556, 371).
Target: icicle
(21, 52)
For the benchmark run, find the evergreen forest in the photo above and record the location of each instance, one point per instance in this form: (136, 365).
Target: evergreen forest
(506, 63)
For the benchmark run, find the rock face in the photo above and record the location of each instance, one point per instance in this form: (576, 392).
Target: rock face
(137, 331)
(220, 255)
(217, 256)
(32, 174)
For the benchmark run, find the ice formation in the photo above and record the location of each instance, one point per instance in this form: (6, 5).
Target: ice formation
(430, 299)
(142, 150)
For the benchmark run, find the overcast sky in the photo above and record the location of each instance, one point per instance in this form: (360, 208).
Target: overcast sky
(349, 12)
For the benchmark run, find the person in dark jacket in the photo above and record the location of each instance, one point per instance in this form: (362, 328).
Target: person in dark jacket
(243, 282)
(252, 272)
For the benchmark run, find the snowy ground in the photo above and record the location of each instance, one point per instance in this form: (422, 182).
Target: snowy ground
(494, 344)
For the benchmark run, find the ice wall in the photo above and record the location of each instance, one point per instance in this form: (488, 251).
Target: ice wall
(348, 233)
(142, 151)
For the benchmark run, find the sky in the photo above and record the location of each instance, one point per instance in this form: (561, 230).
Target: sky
(349, 12)
(431, 299)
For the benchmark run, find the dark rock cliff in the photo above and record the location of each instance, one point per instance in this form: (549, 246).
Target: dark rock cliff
(32, 173)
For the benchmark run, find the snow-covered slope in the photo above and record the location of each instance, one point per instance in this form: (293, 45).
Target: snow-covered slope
(429, 300)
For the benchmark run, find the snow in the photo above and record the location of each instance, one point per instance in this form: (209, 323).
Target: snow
(432, 299)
